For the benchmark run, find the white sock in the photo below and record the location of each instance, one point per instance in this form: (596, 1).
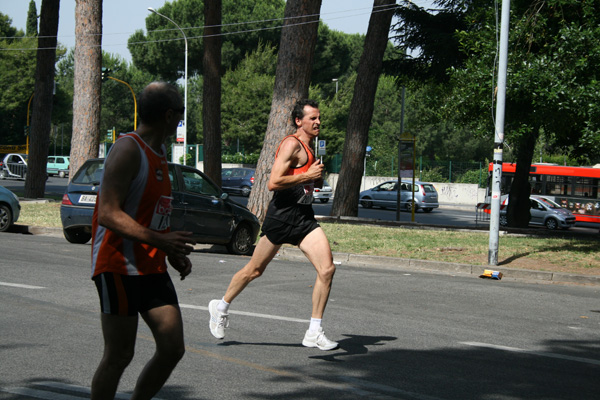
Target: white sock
(223, 306)
(315, 324)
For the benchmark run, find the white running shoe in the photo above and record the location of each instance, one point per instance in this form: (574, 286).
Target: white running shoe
(218, 320)
(318, 339)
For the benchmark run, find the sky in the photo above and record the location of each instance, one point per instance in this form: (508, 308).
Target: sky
(121, 18)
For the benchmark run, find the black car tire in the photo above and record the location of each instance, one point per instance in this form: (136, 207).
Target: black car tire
(324, 200)
(408, 206)
(551, 224)
(241, 241)
(6, 217)
(77, 235)
(366, 202)
(246, 191)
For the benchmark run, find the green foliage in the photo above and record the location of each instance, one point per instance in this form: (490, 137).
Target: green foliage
(32, 23)
(239, 158)
(432, 175)
(477, 176)
(246, 101)
(161, 51)
(552, 80)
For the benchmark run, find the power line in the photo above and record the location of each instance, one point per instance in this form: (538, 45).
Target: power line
(375, 9)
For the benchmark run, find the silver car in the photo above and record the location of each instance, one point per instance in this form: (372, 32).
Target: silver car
(545, 212)
(324, 193)
(385, 195)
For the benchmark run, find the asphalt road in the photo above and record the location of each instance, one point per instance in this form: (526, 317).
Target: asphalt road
(403, 334)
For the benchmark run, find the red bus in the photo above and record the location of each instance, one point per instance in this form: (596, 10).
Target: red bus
(574, 188)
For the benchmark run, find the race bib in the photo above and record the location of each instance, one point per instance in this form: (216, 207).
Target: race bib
(161, 219)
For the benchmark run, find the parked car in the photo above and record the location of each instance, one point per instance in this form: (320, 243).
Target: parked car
(385, 195)
(237, 180)
(324, 193)
(58, 165)
(199, 206)
(10, 208)
(544, 212)
(13, 165)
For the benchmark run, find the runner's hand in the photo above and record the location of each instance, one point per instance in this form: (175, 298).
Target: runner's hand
(183, 265)
(177, 244)
(315, 171)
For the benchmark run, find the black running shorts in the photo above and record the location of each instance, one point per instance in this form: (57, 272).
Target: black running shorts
(126, 295)
(279, 232)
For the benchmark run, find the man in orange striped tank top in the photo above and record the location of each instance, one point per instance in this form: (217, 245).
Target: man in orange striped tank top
(130, 244)
(290, 219)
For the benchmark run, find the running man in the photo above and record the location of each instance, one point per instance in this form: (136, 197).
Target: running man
(290, 219)
(131, 239)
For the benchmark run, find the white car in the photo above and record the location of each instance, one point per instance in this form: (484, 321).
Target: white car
(323, 194)
(14, 165)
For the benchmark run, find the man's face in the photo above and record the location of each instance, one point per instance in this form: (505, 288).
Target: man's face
(311, 122)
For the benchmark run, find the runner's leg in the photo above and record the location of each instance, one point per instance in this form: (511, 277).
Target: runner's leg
(315, 247)
(166, 325)
(119, 346)
(262, 256)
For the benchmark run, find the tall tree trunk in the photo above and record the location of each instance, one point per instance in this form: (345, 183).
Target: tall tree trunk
(359, 119)
(35, 185)
(518, 210)
(211, 95)
(87, 82)
(292, 80)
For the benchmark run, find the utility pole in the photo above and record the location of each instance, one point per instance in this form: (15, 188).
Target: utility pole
(499, 136)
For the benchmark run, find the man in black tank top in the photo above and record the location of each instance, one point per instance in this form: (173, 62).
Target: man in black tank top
(290, 219)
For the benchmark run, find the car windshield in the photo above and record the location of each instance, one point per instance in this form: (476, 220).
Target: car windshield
(428, 188)
(91, 172)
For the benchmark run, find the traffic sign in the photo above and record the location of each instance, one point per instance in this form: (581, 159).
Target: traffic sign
(180, 132)
(321, 148)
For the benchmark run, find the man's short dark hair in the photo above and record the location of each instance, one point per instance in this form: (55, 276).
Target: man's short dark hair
(298, 110)
(156, 99)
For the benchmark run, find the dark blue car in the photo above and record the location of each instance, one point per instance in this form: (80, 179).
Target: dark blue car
(199, 206)
(237, 180)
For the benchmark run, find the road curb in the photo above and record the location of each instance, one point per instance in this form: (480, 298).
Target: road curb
(396, 263)
(358, 260)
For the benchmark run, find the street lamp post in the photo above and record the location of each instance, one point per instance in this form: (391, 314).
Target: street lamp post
(184, 83)
(336, 86)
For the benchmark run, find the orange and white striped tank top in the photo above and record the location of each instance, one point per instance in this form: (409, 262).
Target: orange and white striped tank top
(149, 203)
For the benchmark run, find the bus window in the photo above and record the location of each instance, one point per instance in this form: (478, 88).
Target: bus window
(557, 185)
(586, 187)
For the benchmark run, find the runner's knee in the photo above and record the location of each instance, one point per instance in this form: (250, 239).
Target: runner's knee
(326, 272)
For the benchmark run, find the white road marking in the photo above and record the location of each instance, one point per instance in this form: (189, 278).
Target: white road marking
(19, 285)
(532, 352)
(249, 314)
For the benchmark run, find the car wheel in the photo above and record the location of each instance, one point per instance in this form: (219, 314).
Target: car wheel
(61, 174)
(408, 206)
(6, 217)
(366, 202)
(551, 223)
(77, 235)
(428, 209)
(503, 220)
(324, 200)
(2, 174)
(241, 241)
(246, 191)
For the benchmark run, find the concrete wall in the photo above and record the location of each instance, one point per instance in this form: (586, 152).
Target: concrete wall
(448, 193)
